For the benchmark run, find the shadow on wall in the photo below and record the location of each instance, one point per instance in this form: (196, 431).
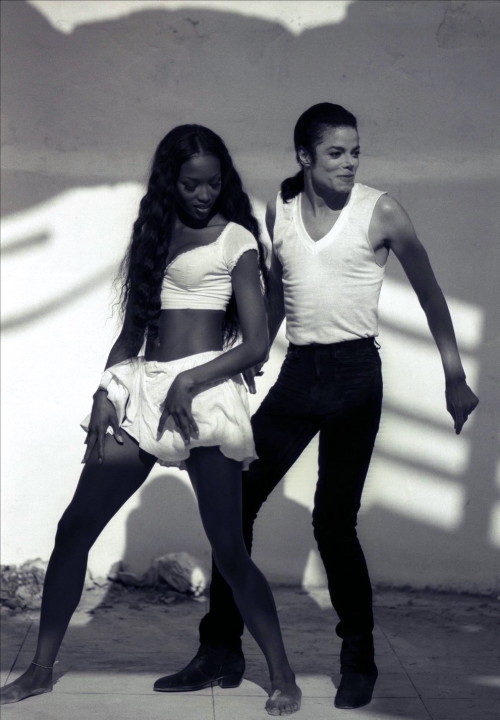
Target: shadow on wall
(89, 107)
(85, 111)
(168, 508)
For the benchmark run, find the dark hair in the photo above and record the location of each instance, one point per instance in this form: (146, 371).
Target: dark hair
(143, 267)
(308, 133)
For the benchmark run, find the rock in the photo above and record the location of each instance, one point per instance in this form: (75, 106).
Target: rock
(183, 572)
(34, 565)
(22, 586)
(25, 595)
(118, 573)
(114, 570)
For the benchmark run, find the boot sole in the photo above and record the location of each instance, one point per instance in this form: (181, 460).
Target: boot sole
(352, 707)
(225, 682)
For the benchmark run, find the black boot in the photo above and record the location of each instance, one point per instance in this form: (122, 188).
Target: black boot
(210, 666)
(359, 672)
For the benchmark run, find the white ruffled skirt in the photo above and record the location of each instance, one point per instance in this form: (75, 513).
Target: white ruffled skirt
(138, 388)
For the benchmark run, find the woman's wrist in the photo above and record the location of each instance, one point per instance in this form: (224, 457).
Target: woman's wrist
(106, 378)
(186, 380)
(453, 379)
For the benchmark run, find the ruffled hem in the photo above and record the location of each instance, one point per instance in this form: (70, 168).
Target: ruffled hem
(137, 388)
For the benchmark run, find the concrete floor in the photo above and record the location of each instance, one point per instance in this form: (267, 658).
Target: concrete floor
(438, 657)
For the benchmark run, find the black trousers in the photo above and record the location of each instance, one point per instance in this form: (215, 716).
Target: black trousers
(335, 390)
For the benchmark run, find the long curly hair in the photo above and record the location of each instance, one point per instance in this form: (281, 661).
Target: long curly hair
(308, 133)
(142, 269)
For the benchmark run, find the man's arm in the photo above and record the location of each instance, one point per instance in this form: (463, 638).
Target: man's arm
(275, 304)
(391, 226)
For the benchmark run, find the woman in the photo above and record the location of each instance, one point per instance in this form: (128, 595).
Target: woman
(191, 285)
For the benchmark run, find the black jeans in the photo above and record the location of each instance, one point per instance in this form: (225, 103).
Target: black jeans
(335, 390)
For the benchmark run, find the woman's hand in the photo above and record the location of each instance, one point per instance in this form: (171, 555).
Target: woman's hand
(103, 416)
(178, 405)
(460, 402)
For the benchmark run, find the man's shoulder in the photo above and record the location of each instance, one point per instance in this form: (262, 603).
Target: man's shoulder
(279, 210)
(366, 191)
(388, 208)
(391, 221)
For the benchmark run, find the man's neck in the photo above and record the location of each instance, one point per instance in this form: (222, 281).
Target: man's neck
(322, 202)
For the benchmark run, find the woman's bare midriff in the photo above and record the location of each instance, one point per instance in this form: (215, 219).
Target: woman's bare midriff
(187, 332)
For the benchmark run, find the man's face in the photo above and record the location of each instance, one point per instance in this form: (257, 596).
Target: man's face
(336, 160)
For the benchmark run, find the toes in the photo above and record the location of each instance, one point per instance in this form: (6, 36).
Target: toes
(279, 704)
(289, 709)
(281, 710)
(272, 705)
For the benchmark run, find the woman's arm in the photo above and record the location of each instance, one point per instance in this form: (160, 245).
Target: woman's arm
(252, 350)
(125, 346)
(103, 413)
(392, 225)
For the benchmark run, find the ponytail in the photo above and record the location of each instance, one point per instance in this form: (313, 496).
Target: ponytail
(292, 186)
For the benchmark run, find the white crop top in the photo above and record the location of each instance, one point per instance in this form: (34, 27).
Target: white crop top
(331, 286)
(200, 278)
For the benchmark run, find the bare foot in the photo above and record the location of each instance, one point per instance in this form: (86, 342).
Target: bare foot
(34, 681)
(284, 701)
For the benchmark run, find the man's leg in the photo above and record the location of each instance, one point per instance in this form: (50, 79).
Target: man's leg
(345, 449)
(344, 454)
(280, 434)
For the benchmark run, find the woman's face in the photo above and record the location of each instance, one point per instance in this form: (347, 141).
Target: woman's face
(198, 185)
(336, 160)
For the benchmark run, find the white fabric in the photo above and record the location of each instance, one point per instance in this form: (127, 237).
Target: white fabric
(200, 278)
(138, 388)
(331, 286)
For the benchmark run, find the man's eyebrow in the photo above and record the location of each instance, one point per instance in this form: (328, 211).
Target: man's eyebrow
(340, 147)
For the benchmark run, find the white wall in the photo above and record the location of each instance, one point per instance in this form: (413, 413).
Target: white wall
(88, 91)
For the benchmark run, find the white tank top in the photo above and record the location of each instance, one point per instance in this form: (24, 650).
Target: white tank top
(332, 285)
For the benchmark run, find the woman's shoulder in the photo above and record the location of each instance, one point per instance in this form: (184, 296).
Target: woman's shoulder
(237, 240)
(235, 233)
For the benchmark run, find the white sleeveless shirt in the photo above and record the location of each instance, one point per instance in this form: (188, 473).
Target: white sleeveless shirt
(332, 285)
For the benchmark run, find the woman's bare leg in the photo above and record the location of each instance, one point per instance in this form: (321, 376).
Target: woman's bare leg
(217, 484)
(100, 493)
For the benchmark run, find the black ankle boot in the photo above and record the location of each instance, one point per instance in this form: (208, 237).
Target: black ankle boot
(210, 666)
(359, 672)
(355, 689)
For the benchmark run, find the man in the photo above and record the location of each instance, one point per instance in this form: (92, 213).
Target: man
(331, 239)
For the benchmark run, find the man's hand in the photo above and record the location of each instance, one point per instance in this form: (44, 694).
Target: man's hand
(250, 375)
(103, 416)
(178, 405)
(460, 402)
